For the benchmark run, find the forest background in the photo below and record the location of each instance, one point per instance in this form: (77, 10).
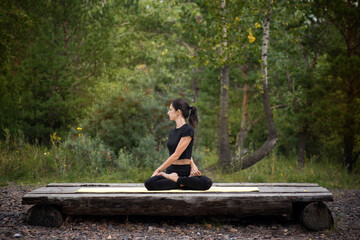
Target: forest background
(85, 87)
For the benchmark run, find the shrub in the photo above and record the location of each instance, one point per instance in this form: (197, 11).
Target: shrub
(125, 117)
(146, 155)
(90, 154)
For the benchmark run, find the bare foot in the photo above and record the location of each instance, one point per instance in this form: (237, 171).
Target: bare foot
(172, 176)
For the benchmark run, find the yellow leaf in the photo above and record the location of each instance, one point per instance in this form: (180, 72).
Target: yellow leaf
(251, 37)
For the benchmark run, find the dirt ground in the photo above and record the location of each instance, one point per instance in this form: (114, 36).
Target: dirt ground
(345, 210)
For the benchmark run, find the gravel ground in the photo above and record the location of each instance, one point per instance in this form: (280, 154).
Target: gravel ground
(345, 210)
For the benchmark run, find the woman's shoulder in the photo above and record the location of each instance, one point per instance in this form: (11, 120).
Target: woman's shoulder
(187, 130)
(187, 126)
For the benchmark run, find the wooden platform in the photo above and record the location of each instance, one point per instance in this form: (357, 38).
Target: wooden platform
(271, 198)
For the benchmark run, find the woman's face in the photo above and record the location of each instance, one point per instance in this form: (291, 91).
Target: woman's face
(172, 113)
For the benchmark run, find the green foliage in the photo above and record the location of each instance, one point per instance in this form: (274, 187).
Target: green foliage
(20, 160)
(112, 67)
(92, 154)
(53, 65)
(144, 156)
(13, 24)
(78, 158)
(204, 23)
(126, 119)
(207, 81)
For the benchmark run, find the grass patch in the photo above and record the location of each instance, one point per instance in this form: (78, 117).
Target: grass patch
(86, 160)
(280, 169)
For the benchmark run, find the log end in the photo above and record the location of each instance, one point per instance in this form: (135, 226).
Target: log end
(317, 216)
(44, 215)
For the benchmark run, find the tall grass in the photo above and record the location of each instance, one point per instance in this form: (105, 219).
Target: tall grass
(88, 160)
(31, 164)
(80, 159)
(275, 168)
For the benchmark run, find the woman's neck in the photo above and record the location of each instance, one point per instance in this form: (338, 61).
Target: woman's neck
(179, 122)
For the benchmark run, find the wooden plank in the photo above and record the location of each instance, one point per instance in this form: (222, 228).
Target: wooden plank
(292, 189)
(215, 184)
(171, 195)
(95, 185)
(177, 205)
(69, 190)
(55, 190)
(294, 197)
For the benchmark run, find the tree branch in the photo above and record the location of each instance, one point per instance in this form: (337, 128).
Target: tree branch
(188, 48)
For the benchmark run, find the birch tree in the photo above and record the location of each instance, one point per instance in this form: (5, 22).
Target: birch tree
(269, 144)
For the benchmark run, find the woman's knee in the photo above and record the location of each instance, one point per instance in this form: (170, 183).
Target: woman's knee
(207, 183)
(149, 183)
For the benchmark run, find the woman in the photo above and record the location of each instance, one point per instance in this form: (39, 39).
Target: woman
(181, 171)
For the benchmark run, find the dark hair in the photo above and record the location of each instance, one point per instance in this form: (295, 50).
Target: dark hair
(186, 110)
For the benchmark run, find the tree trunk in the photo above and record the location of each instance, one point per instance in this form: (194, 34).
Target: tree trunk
(349, 131)
(239, 150)
(352, 37)
(195, 86)
(223, 129)
(301, 149)
(301, 145)
(265, 149)
(223, 134)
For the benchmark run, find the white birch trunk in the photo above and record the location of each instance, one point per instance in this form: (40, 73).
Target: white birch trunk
(249, 160)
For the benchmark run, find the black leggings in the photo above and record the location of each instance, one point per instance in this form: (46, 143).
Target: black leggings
(184, 181)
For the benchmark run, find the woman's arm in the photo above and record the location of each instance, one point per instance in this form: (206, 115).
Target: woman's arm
(182, 145)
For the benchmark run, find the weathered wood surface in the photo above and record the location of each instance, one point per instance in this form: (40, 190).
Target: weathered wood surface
(215, 184)
(272, 198)
(262, 190)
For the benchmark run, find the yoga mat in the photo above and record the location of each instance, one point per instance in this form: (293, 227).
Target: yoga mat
(144, 190)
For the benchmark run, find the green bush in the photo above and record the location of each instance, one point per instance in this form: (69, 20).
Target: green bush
(127, 118)
(145, 155)
(89, 154)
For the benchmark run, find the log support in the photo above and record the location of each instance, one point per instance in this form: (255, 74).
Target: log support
(314, 216)
(44, 215)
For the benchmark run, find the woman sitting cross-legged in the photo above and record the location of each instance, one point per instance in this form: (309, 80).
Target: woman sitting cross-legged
(181, 171)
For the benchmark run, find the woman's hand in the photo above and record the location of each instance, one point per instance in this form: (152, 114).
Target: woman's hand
(156, 172)
(194, 170)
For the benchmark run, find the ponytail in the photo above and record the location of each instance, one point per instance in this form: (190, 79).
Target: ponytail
(187, 111)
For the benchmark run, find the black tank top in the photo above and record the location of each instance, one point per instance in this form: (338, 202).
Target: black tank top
(174, 138)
